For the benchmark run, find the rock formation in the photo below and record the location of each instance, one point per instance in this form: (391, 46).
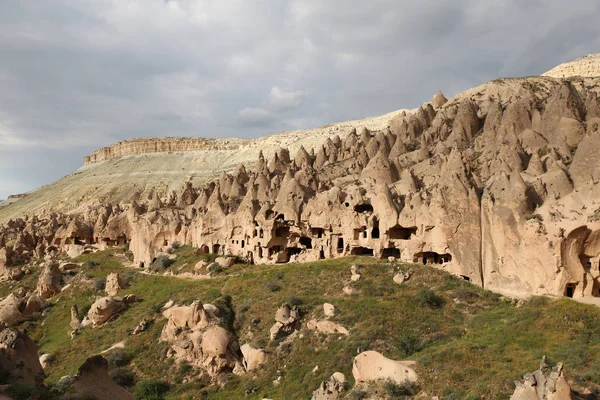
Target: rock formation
(547, 383)
(92, 381)
(501, 177)
(195, 337)
(287, 320)
(19, 359)
(331, 389)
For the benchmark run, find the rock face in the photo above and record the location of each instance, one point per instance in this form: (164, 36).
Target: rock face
(253, 358)
(498, 185)
(196, 337)
(19, 359)
(49, 282)
(92, 381)
(372, 366)
(547, 383)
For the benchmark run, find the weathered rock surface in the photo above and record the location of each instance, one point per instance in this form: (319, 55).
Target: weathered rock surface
(287, 320)
(114, 283)
(547, 383)
(331, 389)
(103, 310)
(19, 359)
(372, 366)
(195, 337)
(253, 358)
(93, 381)
(325, 326)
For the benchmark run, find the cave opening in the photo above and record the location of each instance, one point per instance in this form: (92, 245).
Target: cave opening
(363, 208)
(318, 232)
(375, 231)
(204, 249)
(390, 252)
(570, 289)
(340, 245)
(306, 241)
(321, 254)
(361, 251)
(401, 233)
(216, 248)
(282, 231)
(430, 257)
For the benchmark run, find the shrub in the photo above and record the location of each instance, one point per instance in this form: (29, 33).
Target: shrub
(408, 343)
(122, 377)
(294, 301)
(99, 284)
(279, 275)
(151, 390)
(118, 358)
(427, 298)
(161, 263)
(396, 391)
(175, 245)
(358, 395)
(273, 287)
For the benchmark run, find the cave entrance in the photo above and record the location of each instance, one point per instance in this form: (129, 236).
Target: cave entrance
(401, 233)
(204, 249)
(375, 231)
(361, 251)
(390, 252)
(430, 257)
(216, 248)
(282, 232)
(363, 208)
(307, 242)
(340, 245)
(318, 232)
(321, 255)
(570, 289)
(259, 252)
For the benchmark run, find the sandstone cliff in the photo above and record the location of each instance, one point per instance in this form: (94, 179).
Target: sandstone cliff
(584, 66)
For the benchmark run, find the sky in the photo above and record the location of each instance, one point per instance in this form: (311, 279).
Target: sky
(78, 75)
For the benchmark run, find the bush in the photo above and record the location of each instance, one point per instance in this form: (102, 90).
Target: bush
(99, 284)
(175, 245)
(273, 287)
(427, 298)
(118, 358)
(161, 263)
(122, 377)
(398, 391)
(151, 390)
(408, 343)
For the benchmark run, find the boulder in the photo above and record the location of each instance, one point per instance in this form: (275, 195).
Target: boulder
(10, 313)
(373, 366)
(327, 327)
(46, 359)
(225, 262)
(287, 320)
(92, 381)
(253, 358)
(328, 310)
(104, 309)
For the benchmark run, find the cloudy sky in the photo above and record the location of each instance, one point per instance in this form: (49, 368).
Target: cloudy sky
(77, 75)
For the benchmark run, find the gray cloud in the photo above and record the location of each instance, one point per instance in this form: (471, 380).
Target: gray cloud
(77, 75)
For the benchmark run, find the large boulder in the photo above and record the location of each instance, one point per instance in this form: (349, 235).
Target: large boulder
(287, 320)
(195, 337)
(93, 382)
(19, 359)
(10, 310)
(103, 310)
(547, 383)
(373, 366)
(225, 262)
(253, 358)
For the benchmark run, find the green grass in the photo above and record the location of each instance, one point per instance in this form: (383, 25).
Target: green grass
(468, 342)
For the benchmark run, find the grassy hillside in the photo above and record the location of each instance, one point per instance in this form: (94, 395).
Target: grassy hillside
(468, 343)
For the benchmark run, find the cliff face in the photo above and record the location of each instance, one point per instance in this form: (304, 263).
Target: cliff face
(162, 145)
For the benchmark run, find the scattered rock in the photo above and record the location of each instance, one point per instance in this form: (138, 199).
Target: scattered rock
(200, 266)
(402, 277)
(327, 327)
(141, 327)
(46, 360)
(355, 273)
(328, 310)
